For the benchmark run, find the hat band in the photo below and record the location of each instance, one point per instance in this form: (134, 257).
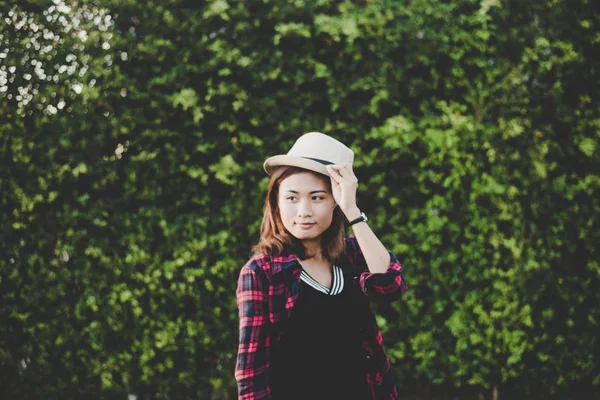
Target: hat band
(319, 160)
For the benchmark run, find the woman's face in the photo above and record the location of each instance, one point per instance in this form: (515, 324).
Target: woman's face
(306, 205)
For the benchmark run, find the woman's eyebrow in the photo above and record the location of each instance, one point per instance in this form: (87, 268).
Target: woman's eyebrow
(313, 192)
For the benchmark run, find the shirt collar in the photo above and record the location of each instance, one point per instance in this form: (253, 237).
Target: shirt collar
(285, 260)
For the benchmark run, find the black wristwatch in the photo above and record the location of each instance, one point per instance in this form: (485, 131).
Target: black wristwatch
(362, 217)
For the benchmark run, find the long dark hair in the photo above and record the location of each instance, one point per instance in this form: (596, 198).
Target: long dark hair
(273, 235)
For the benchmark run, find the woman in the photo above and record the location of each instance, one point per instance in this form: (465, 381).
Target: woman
(307, 330)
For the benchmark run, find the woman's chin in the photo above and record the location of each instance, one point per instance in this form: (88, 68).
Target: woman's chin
(305, 235)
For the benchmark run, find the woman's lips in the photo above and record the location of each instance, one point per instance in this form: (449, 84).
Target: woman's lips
(306, 226)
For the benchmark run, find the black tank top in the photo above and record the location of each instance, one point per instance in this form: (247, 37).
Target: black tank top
(320, 355)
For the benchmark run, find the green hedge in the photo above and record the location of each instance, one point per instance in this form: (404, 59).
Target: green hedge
(132, 138)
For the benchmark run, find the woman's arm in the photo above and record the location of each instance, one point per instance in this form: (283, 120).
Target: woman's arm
(376, 255)
(379, 287)
(381, 274)
(343, 186)
(253, 357)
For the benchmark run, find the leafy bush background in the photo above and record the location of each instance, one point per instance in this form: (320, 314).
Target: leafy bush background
(132, 138)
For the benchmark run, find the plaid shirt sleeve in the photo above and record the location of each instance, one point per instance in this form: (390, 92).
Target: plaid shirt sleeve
(252, 364)
(379, 287)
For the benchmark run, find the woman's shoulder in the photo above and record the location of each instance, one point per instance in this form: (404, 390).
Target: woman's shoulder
(351, 238)
(258, 263)
(263, 263)
(352, 243)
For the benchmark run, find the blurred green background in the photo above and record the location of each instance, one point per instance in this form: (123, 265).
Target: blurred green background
(132, 136)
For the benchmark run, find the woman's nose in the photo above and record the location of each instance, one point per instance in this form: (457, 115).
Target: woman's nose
(304, 209)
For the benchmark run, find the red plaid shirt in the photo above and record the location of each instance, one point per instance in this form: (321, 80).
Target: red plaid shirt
(267, 291)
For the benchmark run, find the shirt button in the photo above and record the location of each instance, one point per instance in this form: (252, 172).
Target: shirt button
(368, 357)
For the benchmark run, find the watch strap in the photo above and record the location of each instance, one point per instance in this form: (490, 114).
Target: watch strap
(362, 217)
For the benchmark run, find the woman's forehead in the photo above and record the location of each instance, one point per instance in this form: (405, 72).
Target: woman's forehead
(304, 182)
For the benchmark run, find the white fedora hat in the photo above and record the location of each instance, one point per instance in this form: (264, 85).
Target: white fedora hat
(312, 151)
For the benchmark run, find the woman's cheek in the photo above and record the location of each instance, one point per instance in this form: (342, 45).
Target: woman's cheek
(287, 215)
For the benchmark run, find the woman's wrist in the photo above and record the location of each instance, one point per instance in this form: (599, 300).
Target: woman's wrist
(352, 213)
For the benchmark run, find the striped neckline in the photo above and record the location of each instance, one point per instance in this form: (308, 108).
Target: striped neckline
(337, 282)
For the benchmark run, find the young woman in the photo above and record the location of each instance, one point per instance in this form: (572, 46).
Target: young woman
(307, 330)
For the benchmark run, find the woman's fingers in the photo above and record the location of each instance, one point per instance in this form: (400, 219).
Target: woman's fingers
(342, 174)
(334, 172)
(334, 179)
(344, 171)
(348, 172)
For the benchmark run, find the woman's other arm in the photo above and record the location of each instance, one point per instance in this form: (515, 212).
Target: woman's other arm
(253, 357)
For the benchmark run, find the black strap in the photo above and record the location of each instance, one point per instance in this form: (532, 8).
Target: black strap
(319, 160)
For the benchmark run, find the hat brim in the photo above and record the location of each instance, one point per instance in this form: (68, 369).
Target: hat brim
(272, 163)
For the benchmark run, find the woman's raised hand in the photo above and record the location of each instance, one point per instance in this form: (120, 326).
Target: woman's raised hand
(343, 185)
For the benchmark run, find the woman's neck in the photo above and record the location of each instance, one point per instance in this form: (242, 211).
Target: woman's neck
(313, 249)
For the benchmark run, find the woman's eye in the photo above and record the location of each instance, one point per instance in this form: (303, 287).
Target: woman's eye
(291, 198)
(317, 198)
